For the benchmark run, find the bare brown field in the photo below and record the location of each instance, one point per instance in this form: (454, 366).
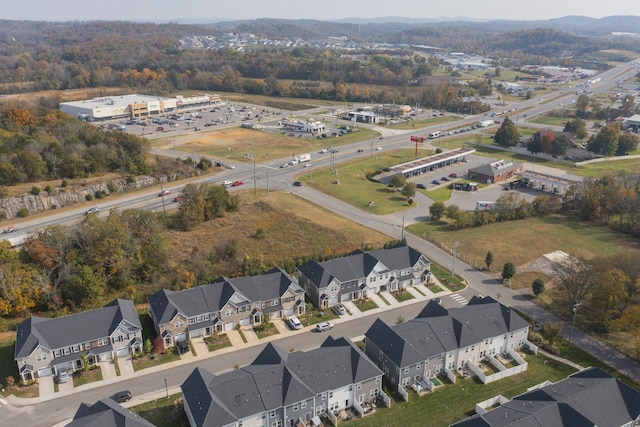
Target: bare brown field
(292, 228)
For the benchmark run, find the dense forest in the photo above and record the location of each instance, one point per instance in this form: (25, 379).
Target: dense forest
(41, 143)
(149, 57)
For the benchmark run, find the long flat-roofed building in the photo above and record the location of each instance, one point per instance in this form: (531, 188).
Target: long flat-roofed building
(133, 106)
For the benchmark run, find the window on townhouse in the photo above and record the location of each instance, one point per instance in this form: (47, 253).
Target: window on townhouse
(274, 302)
(359, 386)
(373, 392)
(303, 404)
(192, 321)
(229, 312)
(418, 366)
(87, 345)
(319, 409)
(40, 357)
(406, 370)
(207, 316)
(361, 398)
(76, 348)
(272, 413)
(330, 395)
(67, 350)
(377, 380)
(57, 353)
(296, 406)
(179, 324)
(102, 341)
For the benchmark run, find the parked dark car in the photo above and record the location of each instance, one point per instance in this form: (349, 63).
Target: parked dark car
(435, 182)
(422, 186)
(121, 396)
(183, 347)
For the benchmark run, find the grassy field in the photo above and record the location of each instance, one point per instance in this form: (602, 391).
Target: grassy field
(608, 168)
(542, 235)
(552, 121)
(159, 412)
(350, 184)
(240, 145)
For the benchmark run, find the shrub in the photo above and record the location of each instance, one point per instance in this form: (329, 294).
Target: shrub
(23, 213)
(88, 197)
(35, 190)
(100, 194)
(50, 190)
(148, 346)
(64, 183)
(112, 187)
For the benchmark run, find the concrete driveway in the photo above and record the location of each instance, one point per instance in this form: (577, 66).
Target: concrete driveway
(108, 369)
(200, 347)
(46, 387)
(126, 367)
(66, 388)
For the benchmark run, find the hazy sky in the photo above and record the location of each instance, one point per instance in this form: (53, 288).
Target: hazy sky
(162, 10)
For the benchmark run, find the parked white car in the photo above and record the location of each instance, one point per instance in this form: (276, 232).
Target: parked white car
(294, 322)
(324, 326)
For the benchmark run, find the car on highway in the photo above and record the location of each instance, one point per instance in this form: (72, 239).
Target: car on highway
(335, 150)
(237, 183)
(297, 184)
(324, 326)
(294, 322)
(435, 182)
(339, 309)
(177, 199)
(379, 148)
(227, 183)
(360, 150)
(164, 193)
(92, 210)
(121, 396)
(230, 167)
(284, 165)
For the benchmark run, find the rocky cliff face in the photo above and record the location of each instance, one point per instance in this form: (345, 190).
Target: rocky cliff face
(66, 196)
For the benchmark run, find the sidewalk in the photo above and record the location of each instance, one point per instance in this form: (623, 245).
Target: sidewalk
(237, 343)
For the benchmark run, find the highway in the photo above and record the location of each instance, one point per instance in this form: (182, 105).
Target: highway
(271, 176)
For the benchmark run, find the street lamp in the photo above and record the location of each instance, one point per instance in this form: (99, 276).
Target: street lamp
(166, 387)
(455, 252)
(573, 322)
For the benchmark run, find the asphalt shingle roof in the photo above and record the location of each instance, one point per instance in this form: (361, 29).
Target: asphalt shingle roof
(276, 378)
(437, 330)
(214, 296)
(60, 332)
(585, 399)
(106, 413)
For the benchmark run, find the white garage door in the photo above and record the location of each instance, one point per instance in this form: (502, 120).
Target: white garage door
(245, 322)
(45, 372)
(288, 311)
(123, 352)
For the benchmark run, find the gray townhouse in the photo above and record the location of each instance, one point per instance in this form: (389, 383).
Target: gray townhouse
(282, 388)
(223, 304)
(590, 397)
(441, 340)
(359, 274)
(46, 346)
(106, 413)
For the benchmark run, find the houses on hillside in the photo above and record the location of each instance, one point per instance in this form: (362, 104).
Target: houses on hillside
(46, 346)
(359, 274)
(223, 304)
(441, 340)
(281, 388)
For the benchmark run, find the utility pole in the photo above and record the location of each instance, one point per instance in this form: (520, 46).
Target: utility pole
(164, 210)
(573, 322)
(253, 146)
(455, 252)
(402, 235)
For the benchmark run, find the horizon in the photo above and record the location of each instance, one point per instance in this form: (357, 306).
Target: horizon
(202, 11)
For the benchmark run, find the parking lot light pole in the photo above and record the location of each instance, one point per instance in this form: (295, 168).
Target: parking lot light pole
(455, 252)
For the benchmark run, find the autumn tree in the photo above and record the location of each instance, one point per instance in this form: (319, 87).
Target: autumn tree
(575, 278)
(606, 141)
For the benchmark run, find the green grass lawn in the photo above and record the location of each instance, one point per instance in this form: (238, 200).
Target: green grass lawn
(365, 305)
(86, 377)
(146, 361)
(552, 121)
(402, 296)
(218, 341)
(266, 332)
(542, 235)
(454, 284)
(311, 317)
(350, 184)
(455, 402)
(159, 412)
(8, 366)
(614, 167)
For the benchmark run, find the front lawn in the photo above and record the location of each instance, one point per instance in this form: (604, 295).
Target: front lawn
(364, 305)
(402, 295)
(155, 359)
(443, 275)
(217, 342)
(266, 330)
(163, 412)
(86, 377)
